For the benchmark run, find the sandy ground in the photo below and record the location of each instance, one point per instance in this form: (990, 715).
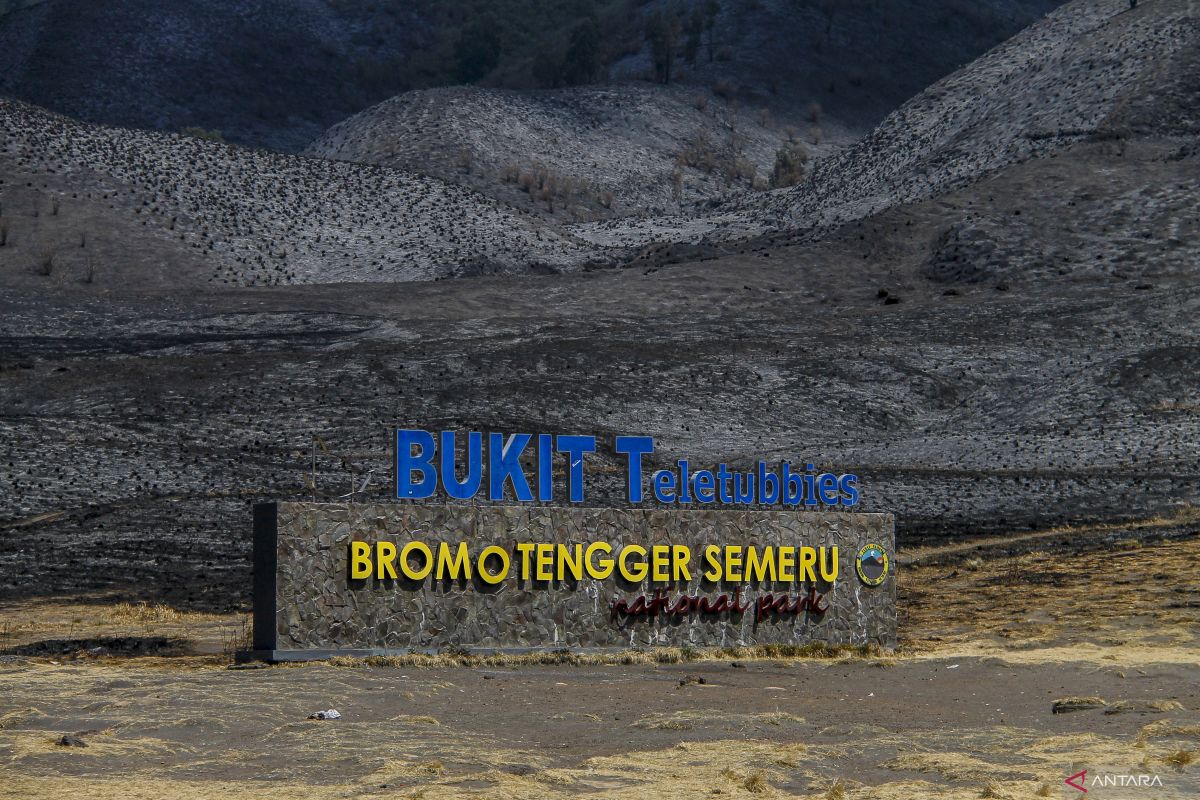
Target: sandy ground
(990, 641)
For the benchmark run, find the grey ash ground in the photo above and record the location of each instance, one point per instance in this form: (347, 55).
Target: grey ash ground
(987, 308)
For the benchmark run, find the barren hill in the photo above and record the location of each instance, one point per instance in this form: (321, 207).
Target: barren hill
(574, 152)
(1078, 75)
(108, 206)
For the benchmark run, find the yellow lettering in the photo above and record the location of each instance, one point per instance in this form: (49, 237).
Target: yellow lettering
(681, 556)
(713, 573)
(808, 560)
(385, 555)
(427, 556)
(545, 561)
(830, 574)
(493, 577)
(760, 567)
(565, 564)
(660, 557)
(603, 568)
(787, 563)
(526, 551)
(452, 565)
(733, 563)
(638, 574)
(360, 560)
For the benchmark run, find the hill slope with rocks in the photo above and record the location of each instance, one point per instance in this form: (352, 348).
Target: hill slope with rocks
(1075, 76)
(210, 212)
(582, 152)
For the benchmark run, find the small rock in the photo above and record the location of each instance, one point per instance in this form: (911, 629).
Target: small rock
(330, 714)
(67, 740)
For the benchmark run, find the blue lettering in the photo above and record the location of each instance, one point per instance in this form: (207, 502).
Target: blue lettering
(664, 486)
(408, 462)
(545, 467)
(634, 447)
(466, 488)
(575, 447)
(849, 484)
(504, 463)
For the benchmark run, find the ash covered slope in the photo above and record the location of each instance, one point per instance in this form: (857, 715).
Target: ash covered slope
(601, 150)
(1067, 79)
(211, 212)
(1072, 77)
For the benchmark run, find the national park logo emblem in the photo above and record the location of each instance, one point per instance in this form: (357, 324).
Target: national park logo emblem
(872, 564)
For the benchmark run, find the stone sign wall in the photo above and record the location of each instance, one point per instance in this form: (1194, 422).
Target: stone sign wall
(308, 604)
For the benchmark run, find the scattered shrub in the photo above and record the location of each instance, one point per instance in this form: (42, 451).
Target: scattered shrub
(698, 153)
(790, 161)
(756, 782)
(740, 168)
(814, 112)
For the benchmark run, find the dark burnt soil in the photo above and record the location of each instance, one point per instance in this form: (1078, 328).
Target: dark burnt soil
(139, 428)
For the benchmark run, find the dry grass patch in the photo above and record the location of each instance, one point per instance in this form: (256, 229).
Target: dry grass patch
(415, 719)
(702, 718)
(663, 655)
(1158, 706)
(20, 716)
(1165, 728)
(756, 783)
(954, 766)
(1065, 705)
(143, 613)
